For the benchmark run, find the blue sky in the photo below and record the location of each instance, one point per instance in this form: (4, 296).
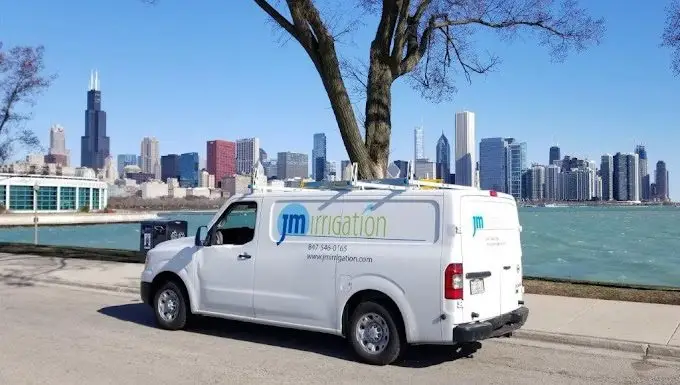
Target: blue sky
(218, 70)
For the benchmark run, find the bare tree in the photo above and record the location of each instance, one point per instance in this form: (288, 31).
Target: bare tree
(671, 33)
(424, 39)
(21, 81)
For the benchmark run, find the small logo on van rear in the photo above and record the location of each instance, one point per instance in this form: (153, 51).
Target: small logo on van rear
(477, 224)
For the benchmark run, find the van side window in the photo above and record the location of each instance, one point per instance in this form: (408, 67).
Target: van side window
(237, 226)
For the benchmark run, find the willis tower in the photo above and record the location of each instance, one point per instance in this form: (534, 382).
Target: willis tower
(94, 145)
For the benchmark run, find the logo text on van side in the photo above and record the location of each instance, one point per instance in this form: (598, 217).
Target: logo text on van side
(294, 220)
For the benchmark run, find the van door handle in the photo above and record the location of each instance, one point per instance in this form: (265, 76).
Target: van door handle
(507, 267)
(244, 256)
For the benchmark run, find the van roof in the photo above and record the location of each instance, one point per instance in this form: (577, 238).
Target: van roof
(368, 192)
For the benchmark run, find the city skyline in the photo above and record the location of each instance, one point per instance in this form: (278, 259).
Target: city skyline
(502, 166)
(573, 103)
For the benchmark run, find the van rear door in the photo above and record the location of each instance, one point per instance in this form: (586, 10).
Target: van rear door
(491, 255)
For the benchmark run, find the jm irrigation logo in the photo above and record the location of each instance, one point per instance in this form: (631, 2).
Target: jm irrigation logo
(477, 224)
(294, 220)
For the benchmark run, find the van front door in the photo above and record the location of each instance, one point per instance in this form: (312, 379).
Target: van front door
(225, 266)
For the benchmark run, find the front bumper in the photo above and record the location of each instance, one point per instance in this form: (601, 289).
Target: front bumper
(494, 327)
(144, 290)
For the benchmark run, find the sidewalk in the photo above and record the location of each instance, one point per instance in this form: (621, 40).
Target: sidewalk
(650, 329)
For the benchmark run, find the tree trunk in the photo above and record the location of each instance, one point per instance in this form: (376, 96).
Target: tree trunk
(378, 115)
(329, 70)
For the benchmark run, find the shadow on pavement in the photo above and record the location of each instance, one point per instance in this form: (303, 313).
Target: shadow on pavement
(319, 343)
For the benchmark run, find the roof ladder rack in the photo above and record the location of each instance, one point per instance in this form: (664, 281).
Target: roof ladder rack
(259, 183)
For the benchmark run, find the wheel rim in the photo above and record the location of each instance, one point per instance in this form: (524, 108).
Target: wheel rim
(372, 333)
(168, 305)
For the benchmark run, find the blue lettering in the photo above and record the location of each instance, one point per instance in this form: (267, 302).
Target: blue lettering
(477, 223)
(292, 224)
(296, 223)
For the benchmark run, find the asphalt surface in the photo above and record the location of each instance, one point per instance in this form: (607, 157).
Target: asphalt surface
(56, 335)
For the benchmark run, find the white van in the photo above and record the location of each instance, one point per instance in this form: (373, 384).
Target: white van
(380, 264)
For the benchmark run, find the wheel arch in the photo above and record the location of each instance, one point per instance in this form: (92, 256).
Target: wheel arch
(379, 297)
(167, 276)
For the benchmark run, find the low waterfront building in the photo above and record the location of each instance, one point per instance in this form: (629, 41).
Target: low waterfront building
(51, 193)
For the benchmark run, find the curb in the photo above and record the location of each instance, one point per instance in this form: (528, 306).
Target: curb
(645, 349)
(63, 282)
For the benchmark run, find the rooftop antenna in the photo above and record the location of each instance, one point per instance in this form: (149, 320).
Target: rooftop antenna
(91, 80)
(96, 80)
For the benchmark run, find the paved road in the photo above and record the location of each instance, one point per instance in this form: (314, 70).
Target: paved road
(58, 335)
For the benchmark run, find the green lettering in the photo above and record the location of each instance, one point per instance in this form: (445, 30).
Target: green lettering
(383, 225)
(371, 226)
(312, 225)
(347, 225)
(323, 227)
(337, 225)
(355, 227)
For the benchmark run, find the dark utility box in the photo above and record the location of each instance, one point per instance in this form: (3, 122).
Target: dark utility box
(152, 233)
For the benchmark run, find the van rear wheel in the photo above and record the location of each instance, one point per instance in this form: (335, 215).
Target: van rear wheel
(374, 335)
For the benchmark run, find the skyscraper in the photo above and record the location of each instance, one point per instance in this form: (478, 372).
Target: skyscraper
(620, 177)
(221, 160)
(292, 165)
(633, 177)
(247, 155)
(126, 160)
(418, 143)
(626, 177)
(57, 153)
(150, 157)
(466, 160)
(319, 157)
(552, 177)
(645, 181)
(188, 170)
(535, 183)
(403, 168)
(661, 181)
(169, 167)
(607, 174)
(443, 159)
(554, 154)
(515, 166)
(492, 164)
(94, 145)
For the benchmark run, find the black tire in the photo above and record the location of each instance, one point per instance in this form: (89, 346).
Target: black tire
(392, 350)
(178, 296)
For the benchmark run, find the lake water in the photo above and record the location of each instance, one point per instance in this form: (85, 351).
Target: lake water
(615, 244)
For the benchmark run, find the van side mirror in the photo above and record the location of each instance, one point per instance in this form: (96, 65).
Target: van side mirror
(198, 241)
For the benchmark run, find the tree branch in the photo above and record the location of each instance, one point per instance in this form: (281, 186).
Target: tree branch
(277, 16)
(415, 50)
(671, 34)
(400, 33)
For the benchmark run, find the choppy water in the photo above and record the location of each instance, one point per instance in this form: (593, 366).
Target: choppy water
(616, 244)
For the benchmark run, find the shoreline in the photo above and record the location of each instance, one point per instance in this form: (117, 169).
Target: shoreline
(660, 294)
(74, 219)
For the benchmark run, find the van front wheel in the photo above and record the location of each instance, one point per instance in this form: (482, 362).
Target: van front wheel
(373, 334)
(170, 307)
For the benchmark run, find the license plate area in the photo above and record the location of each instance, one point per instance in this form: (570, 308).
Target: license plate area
(476, 286)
